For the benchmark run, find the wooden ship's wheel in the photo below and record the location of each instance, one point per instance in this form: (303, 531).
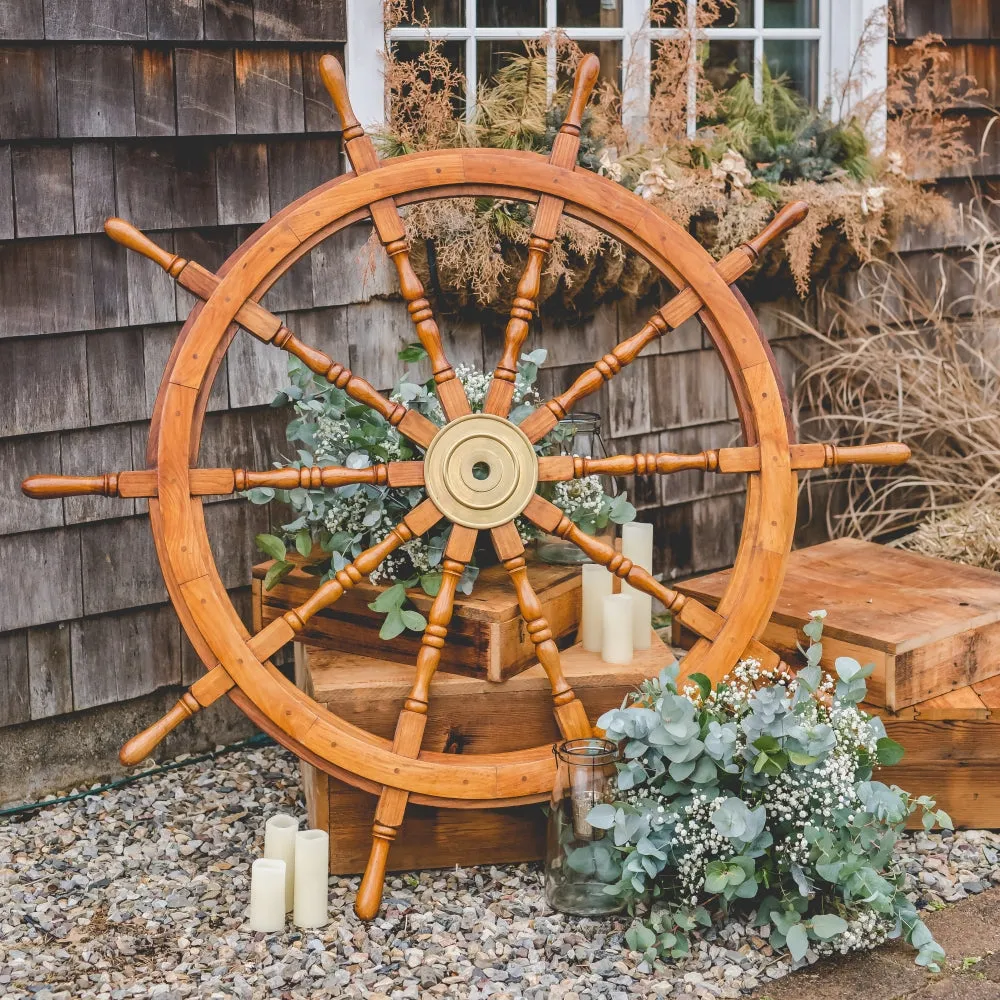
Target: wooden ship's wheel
(455, 457)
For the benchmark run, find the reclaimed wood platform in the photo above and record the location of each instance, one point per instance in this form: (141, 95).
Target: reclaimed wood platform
(932, 629)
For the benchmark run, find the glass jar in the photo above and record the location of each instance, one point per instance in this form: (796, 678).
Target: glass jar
(578, 434)
(578, 864)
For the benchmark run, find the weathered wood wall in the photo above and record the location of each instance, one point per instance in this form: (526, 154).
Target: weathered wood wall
(197, 119)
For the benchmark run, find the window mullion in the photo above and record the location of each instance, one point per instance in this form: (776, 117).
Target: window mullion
(636, 56)
(692, 69)
(471, 69)
(758, 49)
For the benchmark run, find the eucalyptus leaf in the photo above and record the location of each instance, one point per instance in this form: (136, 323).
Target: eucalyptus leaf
(271, 545)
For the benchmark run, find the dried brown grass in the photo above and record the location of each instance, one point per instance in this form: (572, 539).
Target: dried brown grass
(916, 361)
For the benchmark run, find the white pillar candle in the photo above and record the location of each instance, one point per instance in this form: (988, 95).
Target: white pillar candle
(279, 843)
(267, 895)
(637, 545)
(616, 646)
(596, 586)
(312, 872)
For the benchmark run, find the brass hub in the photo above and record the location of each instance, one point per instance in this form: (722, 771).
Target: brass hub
(480, 470)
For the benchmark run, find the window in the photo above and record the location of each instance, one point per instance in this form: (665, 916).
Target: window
(796, 37)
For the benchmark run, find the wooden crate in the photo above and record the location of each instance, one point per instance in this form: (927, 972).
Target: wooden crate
(466, 715)
(487, 636)
(930, 627)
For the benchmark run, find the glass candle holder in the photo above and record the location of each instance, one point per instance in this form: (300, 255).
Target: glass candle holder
(578, 865)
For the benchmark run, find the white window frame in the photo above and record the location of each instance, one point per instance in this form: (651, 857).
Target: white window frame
(836, 45)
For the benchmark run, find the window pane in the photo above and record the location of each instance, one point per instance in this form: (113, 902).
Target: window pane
(797, 61)
(589, 13)
(440, 13)
(610, 54)
(726, 61)
(736, 15)
(409, 51)
(791, 13)
(510, 13)
(491, 55)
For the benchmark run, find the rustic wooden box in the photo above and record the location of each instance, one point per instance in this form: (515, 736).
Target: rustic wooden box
(486, 638)
(467, 715)
(929, 626)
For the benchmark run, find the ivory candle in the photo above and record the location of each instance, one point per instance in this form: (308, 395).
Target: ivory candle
(279, 843)
(267, 895)
(596, 586)
(616, 645)
(312, 873)
(637, 545)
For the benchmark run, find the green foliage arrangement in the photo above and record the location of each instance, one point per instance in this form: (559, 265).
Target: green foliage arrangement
(333, 526)
(756, 799)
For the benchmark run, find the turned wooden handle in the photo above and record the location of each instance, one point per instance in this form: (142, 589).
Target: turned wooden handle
(143, 744)
(51, 487)
(884, 453)
(789, 217)
(128, 236)
(369, 897)
(332, 74)
(587, 72)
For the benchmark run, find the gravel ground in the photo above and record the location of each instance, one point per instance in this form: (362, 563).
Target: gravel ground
(141, 891)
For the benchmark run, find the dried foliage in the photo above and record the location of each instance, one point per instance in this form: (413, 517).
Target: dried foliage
(914, 360)
(746, 158)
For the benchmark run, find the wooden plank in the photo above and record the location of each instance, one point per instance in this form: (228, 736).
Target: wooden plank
(924, 16)
(962, 703)
(22, 19)
(945, 743)
(268, 91)
(377, 331)
(320, 114)
(989, 692)
(119, 566)
(229, 20)
(153, 84)
(6, 194)
(206, 98)
(231, 528)
(687, 389)
(151, 296)
(969, 793)
(300, 20)
(95, 90)
(348, 267)
(50, 681)
(296, 166)
(174, 19)
(121, 656)
(116, 376)
(110, 269)
(29, 368)
(84, 452)
(96, 19)
(43, 190)
(15, 704)
(19, 458)
(93, 193)
(28, 85)
(52, 591)
(242, 183)
(255, 371)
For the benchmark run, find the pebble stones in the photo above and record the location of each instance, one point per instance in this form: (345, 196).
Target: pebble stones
(141, 891)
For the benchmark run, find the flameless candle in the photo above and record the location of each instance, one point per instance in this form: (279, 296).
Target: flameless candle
(267, 895)
(596, 586)
(637, 545)
(312, 872)
(279, 843)
(616, 646)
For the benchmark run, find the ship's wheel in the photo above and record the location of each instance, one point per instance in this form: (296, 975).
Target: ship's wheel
(479, 470)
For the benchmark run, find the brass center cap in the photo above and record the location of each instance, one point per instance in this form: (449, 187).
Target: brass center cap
(480, 470)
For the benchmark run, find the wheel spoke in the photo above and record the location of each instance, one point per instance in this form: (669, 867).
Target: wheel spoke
(392, 233)
(668, 317)
(544, 230)
(687, 610)
(570, 714)
(212, 482)
(264, 325)
(558, 468)
(412, 720)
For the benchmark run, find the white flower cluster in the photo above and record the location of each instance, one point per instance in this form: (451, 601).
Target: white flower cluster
(585, 495)
(865, 932)
(853, 729)
(696, 842)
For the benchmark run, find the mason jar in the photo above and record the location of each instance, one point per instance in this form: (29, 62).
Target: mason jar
(580, 861)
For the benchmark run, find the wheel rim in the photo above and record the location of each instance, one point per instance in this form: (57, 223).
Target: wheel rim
(178, 524)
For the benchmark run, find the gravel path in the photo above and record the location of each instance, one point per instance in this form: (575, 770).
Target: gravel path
(141, 891)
